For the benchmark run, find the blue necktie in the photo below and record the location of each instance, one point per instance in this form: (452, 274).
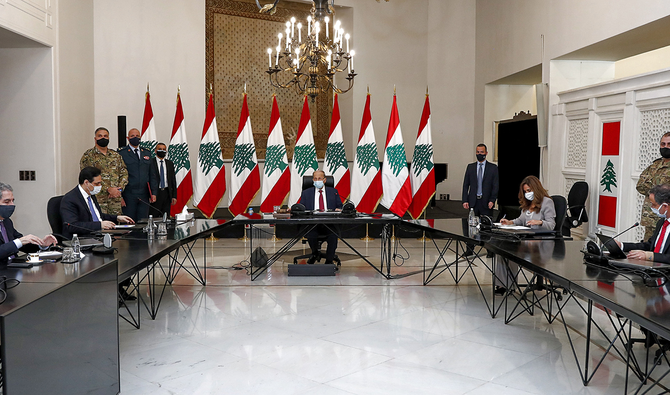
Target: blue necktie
(479, 179)
(90, 206)
(162, 176)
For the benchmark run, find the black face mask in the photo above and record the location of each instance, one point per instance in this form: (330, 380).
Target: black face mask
(481, 157)
(665, 152)
(102, 142)
(135, 141)
(161, 154)
(6, 211)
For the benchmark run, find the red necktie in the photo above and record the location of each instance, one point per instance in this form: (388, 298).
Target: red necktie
(661, 236)
(321, 208)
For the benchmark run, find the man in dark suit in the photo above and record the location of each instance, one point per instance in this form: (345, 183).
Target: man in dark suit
(12, 240)
(141, 187)
(323, 198)
(657, 248)
(480, 185)
(80, 210)
(163, 170)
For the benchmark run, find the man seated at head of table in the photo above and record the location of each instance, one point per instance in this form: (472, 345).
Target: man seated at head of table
(12, 240)
(657, 247)
(80, 211)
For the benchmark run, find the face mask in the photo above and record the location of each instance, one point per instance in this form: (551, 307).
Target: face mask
(102, 142)
(656, 210)
(665, 152)
(529, 196)
(135, 141)
(481, 157)
(161, 154)
(318, 184)
(6, 211)
(96, 189)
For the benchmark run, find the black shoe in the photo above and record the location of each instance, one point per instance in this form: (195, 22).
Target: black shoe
(126, 296)
(311, 260)
(500, 290)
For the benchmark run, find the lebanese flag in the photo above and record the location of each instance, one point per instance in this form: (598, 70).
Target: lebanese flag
(304, 155)
(395, 175)
(335, 164)
(366, 182)
(148, 138)
(276, 175)
(245, 179)
(210, 175)
(178, 154)
(610, 168)
(422, 174)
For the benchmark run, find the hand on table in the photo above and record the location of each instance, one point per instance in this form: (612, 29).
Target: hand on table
(30, 239)
(106, 225)
(506, 222)
(637, 254)
(534, 222)
(125, 219)
(49, 240)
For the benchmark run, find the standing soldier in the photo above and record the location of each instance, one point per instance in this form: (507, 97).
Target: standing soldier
(656, 174)
(113, 168)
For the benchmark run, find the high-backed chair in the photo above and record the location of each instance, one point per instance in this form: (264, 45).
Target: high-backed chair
(55, 220)
(576, 212)
(561, 207)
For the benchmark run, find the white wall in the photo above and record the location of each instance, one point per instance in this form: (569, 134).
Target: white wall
(32, 19)
(643, 63)
(27, 125)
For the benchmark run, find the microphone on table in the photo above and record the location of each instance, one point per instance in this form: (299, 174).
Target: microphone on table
(631, 227)
(596, 254)
(105, 248)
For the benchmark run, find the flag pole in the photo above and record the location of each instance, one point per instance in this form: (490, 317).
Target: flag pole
(423, 238)
(274, 238)
(367, 237)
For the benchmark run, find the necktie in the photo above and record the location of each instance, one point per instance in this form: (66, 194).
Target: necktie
(90, 206)
(321, 205)
(4, 234)
(137, 152)
(661, 236)
(162, 176)
(479, 179)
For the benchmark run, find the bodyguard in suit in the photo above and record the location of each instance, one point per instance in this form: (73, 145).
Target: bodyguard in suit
(140, 183)
(657, 248)
(480, 185)
(323, 198)
(80, 210)
(13, 240)
(163, 171)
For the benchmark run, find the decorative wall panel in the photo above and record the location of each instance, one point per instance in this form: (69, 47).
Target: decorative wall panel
(639, 231)
(569, 182)
(653, 124)
(578, 133)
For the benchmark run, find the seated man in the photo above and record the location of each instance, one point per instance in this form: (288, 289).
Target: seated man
(322, 198)
(80, 211)
(657, 248)
(12, 240)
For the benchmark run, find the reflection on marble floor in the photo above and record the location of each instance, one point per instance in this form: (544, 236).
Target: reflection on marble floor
(355, 333)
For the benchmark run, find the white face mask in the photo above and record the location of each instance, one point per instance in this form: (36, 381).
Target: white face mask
(657, 212)
(529, 196)
(96, 189)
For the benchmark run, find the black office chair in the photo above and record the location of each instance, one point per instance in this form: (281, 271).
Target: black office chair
(561, 207)
(576, 212)
(306, 184)
(55, 220)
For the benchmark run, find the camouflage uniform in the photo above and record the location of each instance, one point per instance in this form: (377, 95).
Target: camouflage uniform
(114, 174)
(657, 173)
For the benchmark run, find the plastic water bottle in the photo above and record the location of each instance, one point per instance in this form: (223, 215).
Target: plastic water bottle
(251, 211)
(471, 217)
(150, 227)
(76, 247)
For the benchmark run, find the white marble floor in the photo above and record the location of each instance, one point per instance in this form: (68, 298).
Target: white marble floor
(355, 333)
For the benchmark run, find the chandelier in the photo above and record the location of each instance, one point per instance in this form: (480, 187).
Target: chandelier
(309, 59)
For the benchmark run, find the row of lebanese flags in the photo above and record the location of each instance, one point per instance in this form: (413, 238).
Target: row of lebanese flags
(398, 188)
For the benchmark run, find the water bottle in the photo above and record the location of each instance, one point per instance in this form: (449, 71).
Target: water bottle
(471, 217)
(76, 247)
(251, 211)
(150, 227)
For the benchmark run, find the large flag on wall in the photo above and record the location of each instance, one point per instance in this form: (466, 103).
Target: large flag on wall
(366, 181)
(148, 137)
(422, 174)
(335, 163)
(610, 168)
(210, 175)
(395, 175)
(276, 175)
(178, 154)
(304, 155)
(245, 180)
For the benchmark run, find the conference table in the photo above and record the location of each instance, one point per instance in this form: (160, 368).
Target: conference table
(59, 327)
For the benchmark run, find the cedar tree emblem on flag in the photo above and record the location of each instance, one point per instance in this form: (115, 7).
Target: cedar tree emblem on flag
(608, 179)
(209, 156)
(366, 155)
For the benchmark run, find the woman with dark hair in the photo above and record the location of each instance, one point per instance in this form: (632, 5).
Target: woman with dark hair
(537, 208)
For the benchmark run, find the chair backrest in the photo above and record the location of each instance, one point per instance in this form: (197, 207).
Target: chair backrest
(561, 207)
(308, 183)
(577, 196)
(53, 215)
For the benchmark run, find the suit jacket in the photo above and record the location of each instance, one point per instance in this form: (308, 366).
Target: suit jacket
(490, 184)
(74, 210)
(8, 248)
(333, 200)
(649, 245)
(169, 175)
(139, 171)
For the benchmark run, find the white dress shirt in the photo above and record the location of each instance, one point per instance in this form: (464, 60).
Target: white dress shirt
(158, 162)
(95, 208)
(316, 198)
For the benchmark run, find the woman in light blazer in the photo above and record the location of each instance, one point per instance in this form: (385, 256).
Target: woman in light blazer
(537, 212)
